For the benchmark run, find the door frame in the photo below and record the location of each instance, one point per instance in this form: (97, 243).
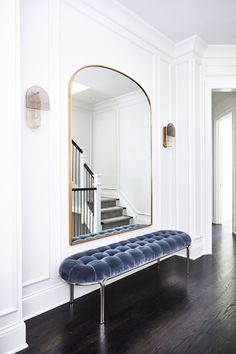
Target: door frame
(207, 177)
(217, 167)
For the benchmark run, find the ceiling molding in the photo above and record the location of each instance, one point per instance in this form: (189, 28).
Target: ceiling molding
(221, 51)
(135, 25)
(192, 45)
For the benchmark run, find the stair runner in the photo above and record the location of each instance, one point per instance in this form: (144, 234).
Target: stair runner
(112, 216)
(109, 232)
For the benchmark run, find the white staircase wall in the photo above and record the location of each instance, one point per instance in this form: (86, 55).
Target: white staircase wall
(122, 151)
(82, 127)
(105, 147)
(134, 166)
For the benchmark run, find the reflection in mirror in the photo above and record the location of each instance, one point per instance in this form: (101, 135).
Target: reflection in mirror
(110, 154)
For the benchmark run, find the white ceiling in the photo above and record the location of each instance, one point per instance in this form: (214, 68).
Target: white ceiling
(212, 20)
(103, 84)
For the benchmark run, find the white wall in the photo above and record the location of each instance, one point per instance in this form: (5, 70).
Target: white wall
(82, 116)
(57, 30)
(219, 72)
(135, 157)
(178, 80)
(189, 149)
(12, 327)
(173, 77)
(122, 151)
(105, 146)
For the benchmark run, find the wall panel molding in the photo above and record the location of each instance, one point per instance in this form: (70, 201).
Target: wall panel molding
(36, 280)
(12, 328)
(189, 151)
(8, 310)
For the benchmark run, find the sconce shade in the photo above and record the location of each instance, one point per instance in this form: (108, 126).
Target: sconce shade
(37, 98)
(170, 130)
(168, 135)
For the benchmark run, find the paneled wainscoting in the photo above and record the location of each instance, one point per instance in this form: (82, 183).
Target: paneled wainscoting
(152, 311)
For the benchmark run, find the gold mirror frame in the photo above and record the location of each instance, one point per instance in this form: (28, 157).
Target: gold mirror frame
(70, 154)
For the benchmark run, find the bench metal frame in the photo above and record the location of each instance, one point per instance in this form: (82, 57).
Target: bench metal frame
(102, 283)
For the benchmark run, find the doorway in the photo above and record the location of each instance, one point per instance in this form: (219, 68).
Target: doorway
(223, 106)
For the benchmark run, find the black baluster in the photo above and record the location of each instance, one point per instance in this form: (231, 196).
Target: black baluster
(81, 212)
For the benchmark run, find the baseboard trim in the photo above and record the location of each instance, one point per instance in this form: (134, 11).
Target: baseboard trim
(50, 298)
(13, 338)
(196, 249)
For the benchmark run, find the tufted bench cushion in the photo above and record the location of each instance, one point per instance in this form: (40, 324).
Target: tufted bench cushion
(99, 264)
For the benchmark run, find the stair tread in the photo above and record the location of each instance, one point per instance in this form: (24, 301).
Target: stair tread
(114, 208)
(109, 199)
(116, 219)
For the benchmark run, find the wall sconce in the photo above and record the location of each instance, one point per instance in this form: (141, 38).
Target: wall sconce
(168, 135)
(36, 100)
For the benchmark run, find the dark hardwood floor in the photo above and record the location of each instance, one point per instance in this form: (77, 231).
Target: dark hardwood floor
(152, 311)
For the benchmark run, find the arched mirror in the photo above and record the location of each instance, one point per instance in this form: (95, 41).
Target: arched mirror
(110, 188)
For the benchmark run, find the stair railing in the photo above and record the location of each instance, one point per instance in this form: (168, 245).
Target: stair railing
(77, 153)
(83, 211)
(86, 194)
(97, 203)
(92, 180)
(89, 176)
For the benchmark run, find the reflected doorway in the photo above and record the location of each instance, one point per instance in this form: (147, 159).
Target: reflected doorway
(223, 111)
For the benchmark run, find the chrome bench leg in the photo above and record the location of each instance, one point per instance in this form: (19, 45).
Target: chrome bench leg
(158, 265)
(187, 261)
(102, 300)
(72, 287)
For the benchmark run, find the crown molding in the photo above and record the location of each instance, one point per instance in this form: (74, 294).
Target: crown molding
(220, 51)
(192, 45)
(120, 101)
(119, 18)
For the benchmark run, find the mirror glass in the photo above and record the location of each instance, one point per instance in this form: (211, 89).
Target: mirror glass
(110, 154)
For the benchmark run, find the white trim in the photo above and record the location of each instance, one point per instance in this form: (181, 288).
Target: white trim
(55, 146)
(109, 192)
(83, 106)
(216, 217)
(220, 51)
(44, 300)
(8, 310)
(217, 168)
(191, 45)
(196, 249)
(121, 101)
(12, 328)
(139, 217)
(125, 23)
(11, 338)
(35, 280)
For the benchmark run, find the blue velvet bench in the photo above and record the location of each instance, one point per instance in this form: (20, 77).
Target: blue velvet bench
(97, 266)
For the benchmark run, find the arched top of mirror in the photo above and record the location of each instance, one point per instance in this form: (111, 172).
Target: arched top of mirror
(110, 189)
